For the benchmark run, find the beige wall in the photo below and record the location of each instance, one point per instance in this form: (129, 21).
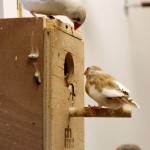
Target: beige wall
(121, 46)
(10, 8)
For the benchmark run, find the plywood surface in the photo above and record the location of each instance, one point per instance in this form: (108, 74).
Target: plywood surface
(21, 99)
(59, 100)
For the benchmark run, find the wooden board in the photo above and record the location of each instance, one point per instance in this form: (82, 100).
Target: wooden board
(61, 132)
(32, 116)
(21, 100)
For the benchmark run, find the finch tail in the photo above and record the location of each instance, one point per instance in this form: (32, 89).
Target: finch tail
(131, 102)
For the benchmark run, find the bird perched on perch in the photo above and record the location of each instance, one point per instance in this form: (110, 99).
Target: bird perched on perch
(106, 90)
(73, 9)
(129, 147)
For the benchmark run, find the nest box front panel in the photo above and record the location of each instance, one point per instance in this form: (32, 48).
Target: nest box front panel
(64, 62)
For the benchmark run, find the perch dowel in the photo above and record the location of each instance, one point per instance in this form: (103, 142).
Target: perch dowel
(102, 112)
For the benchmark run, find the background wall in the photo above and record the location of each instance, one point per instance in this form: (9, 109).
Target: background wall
(120, 45)
(1, 9)
(9, 8)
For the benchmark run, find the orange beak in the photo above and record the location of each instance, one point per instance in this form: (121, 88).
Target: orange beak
(76, 25)
(118, 148)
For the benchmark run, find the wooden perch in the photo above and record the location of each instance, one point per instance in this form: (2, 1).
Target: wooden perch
(103, 112)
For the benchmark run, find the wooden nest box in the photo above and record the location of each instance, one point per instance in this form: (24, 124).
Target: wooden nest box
(41, 76)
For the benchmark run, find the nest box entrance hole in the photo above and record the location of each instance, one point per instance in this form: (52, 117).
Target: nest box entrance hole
(69, 76)
(69, 69)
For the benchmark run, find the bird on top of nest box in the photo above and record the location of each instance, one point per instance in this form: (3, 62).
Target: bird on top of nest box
(73, 9)
(106, 90)
(129, 147)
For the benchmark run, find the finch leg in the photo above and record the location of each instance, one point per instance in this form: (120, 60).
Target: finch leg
(33, 14)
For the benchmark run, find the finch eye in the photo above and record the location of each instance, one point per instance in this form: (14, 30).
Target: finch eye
(77, 19)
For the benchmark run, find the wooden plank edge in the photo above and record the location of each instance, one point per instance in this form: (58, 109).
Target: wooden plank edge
(64, 27)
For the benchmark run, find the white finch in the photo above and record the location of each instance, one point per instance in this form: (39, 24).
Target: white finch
(73, 9)
(106, 90)
(129, 147)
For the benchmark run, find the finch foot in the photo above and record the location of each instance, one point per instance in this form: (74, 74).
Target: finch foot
(33, 14)
(94, 109)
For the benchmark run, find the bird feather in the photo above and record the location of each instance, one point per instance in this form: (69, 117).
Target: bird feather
(112, 93)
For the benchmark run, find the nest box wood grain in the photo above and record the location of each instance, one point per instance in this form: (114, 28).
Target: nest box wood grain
(34, 111)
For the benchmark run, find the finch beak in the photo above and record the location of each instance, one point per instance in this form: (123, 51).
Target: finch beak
(85, 72)
(76, 25)
(118, 148)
